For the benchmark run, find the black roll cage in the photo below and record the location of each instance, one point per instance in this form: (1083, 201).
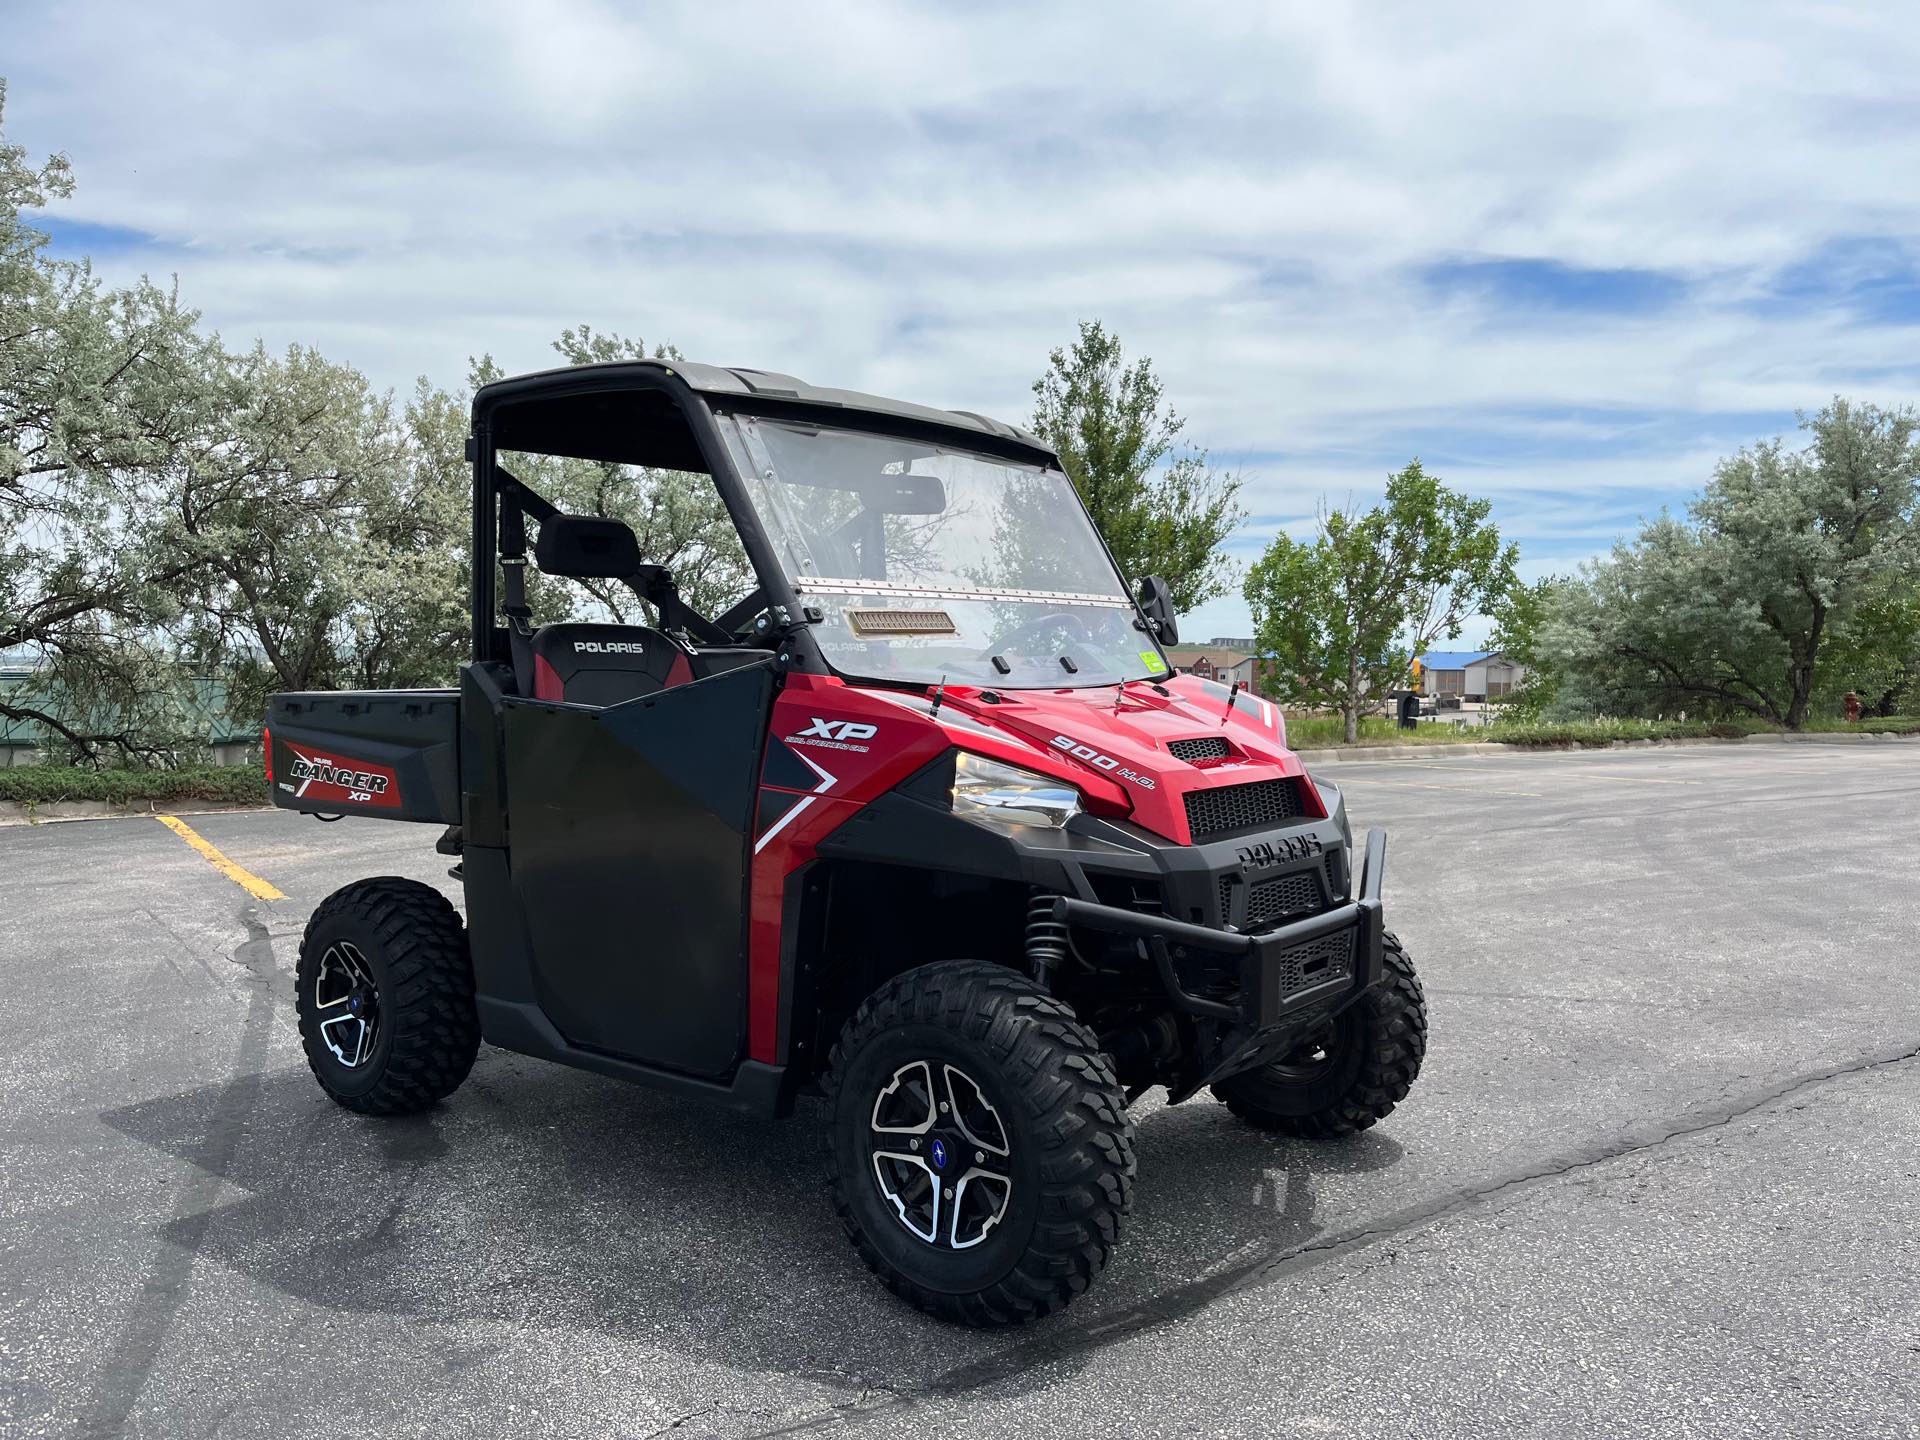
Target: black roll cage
(699, 406)
(520, 502)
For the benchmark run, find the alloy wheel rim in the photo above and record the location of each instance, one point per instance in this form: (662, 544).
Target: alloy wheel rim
(941, 1155)
(347, 1004)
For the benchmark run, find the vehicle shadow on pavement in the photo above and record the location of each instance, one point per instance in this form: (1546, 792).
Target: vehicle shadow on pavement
(553, 1197)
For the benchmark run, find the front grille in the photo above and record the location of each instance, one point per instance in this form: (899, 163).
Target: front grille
(1316, 962)
(1285, 897)
(1231, 808)
(1275, 899)
(1206, 747)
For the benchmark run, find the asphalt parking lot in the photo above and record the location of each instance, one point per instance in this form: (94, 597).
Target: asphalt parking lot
(1661, 1175)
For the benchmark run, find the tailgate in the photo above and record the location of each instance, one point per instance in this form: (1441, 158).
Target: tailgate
(394, 754)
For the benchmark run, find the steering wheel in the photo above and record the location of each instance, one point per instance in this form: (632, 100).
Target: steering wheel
(1054, 622)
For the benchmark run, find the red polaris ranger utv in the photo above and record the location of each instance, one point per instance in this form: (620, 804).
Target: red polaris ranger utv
(925, 822)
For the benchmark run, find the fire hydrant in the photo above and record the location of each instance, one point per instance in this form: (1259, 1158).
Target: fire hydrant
(1850, 707)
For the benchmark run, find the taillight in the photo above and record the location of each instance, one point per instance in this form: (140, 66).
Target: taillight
(266, 744)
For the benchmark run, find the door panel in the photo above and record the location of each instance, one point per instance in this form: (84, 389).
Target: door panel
(628, 832)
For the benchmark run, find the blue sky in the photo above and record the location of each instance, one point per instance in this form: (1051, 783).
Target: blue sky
(1566, 256)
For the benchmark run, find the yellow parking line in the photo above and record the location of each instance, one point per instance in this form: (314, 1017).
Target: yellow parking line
(245, 879)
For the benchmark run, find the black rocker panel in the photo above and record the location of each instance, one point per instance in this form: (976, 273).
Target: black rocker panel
(628, 834)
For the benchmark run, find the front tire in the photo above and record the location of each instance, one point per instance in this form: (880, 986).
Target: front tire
(1348, 1075)
(384, 992)
(979, 1151)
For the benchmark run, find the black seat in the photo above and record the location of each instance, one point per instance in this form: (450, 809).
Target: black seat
(605, 664)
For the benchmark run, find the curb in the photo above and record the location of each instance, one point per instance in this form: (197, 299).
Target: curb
(53, 812)
(1352, 754)
(1401, 752)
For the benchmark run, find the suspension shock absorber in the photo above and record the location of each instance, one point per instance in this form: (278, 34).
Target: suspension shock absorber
(1048, 941)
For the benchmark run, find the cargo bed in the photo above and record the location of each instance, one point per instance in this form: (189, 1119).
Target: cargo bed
(393, 754)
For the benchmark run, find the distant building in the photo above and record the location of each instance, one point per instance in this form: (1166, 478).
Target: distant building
(1469, 674)
(200, 710)
(1222, 660)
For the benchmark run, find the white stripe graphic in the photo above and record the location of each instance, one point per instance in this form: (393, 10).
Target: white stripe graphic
(308, 761)
(827, 782)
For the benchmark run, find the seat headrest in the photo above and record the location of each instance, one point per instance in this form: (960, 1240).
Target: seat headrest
(586, 547)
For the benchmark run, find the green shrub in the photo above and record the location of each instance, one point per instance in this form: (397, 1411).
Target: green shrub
(1322, 732)
(1543, 733)
(34, 785)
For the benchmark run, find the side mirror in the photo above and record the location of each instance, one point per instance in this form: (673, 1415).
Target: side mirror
(1156, 603)
(586, 547)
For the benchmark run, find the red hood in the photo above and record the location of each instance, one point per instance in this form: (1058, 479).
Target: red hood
(1113, 742)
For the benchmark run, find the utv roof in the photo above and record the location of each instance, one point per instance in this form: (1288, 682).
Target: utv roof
(763, 390)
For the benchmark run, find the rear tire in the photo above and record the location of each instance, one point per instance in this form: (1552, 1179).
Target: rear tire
(1351, 1074)
(384, 992)
(979, 1152)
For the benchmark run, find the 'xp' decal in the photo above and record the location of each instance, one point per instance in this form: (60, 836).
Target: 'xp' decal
(840, 729)
(351, 782)
(1101, 762)
(835, 734)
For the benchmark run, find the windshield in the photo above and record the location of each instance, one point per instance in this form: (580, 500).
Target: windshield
(929, 563)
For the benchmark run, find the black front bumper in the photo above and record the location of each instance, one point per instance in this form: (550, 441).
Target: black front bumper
(1304, 967)
(1256, 937)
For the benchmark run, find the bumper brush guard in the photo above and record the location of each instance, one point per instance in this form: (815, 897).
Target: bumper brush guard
(1270, 1017)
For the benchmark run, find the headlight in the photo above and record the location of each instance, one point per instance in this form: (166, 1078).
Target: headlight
(1005, 796)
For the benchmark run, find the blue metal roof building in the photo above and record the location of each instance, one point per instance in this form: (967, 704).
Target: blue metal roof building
(1475, 675)
(1454, 659)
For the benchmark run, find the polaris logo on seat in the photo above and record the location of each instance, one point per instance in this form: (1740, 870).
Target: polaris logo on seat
(608, 647)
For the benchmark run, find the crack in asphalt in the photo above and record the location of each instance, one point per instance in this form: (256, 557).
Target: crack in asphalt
(672, 1425)
(1273, 1266)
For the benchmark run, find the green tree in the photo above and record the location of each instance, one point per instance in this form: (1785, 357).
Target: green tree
(1343, 614)
(1875, 651)
(1518, 618)
(411, 625)
(1789, 552)
(1114, 431)
(278, 492)
(91, 383)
